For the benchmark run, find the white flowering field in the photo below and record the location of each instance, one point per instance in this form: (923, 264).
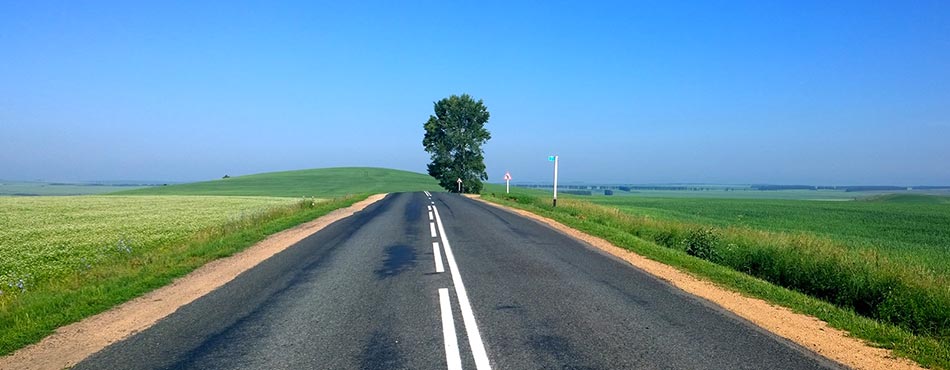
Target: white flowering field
(45, 237)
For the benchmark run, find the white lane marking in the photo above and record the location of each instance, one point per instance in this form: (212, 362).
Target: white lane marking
(430, 207)
(433, 203)
(430, 215)
(468, 316)
(428, 194)
(452, 356)
(432, 229)
(438, 257)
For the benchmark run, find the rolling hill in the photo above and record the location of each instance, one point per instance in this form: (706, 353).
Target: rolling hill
(320, 183)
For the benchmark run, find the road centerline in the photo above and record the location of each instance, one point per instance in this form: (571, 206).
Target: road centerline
(438, 257)
(468, 316)
(452, 356)
(432, 229)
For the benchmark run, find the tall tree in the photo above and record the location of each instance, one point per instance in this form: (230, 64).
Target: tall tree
(454, 138)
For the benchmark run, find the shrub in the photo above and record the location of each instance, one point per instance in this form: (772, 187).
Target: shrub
(665, 238)
(702, 243)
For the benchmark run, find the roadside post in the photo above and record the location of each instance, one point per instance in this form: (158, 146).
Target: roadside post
(553, 158)
(459, 181)
(507, 181)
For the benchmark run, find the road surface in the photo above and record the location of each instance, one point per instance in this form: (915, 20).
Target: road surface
(439, 281)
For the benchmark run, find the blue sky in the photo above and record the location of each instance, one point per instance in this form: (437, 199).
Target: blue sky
(634, 92)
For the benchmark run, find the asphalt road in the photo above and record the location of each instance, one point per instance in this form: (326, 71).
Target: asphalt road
(366, 293)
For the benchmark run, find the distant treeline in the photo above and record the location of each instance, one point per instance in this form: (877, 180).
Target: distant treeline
(576, 192)
(792, 187)
(874, 188)
(631, 187)
(96, 184)
(763, 187)
(848, 188)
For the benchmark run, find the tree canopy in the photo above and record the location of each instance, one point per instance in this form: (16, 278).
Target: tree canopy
(453, 137)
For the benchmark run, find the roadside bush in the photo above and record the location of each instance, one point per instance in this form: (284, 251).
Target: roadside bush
(702, 243)
(665, 238)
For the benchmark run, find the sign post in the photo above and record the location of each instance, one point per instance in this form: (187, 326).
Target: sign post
(507, 181)
(553, 158)
(459, 181)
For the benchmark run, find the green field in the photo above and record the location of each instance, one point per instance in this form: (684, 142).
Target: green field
(322, 183)
(878, 267)
(35, 188)
(747, 192)
(828, 195)
(912, 228)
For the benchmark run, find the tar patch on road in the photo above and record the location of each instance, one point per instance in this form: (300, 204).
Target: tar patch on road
(381, 353)
(399, 258)
(557, 352)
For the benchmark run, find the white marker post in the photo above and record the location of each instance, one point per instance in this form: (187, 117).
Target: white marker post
(554, 159)
(459, 181)
(507, 181)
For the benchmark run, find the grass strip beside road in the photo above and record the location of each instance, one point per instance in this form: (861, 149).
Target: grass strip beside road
(27, 318)
(615, 227)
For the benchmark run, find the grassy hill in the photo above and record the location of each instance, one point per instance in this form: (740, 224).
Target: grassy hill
(321, 183)
(910, 199)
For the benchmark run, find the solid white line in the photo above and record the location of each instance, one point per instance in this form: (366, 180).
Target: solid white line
(452, 356)
(432, 229)
(438, 257)
(468, 316)
(430, 215)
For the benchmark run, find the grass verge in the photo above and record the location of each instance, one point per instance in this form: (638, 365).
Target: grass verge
(27, 318)
(795, 260)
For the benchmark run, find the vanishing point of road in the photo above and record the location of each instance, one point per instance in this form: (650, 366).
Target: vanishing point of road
(440, 281)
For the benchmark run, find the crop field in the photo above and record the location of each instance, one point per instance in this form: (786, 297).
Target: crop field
(46, 237)
(826, 195)
(882, 263)
(747, 192)
(911, 228)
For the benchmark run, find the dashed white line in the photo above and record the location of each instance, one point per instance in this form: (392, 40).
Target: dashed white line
(452, 356)
(438, 257)
(468, 316)
(430, 215)
(432, 229)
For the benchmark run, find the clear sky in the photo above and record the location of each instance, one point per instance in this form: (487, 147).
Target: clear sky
(824, 92)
